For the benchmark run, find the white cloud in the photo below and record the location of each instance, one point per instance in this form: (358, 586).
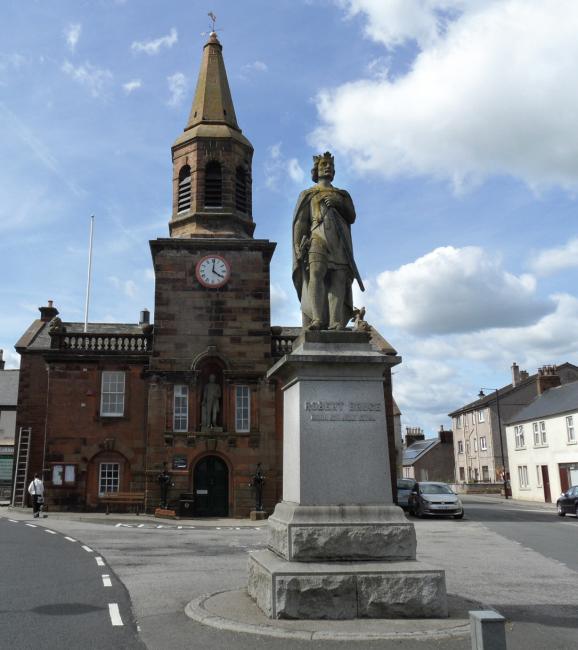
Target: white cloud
(13, 60)
(255, 66)
(72, 35)
(295, 170)
(154, 47)
(456, 290)
(491, 92)
(556, 259)
(131, 86)
(91, 77)
(278, 168)
(177, 87)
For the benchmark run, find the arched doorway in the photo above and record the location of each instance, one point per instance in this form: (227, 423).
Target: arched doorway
(211, 487)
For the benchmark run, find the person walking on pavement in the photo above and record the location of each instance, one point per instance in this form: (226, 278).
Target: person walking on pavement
(36, 491)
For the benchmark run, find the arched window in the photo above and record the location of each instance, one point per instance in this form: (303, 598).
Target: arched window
(241, 190)
(184, 198)
(213, 185)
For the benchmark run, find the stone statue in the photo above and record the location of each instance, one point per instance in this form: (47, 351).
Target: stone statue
(210, 404)
(323, 264)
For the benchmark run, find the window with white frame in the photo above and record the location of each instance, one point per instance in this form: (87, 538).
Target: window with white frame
(63, 474)
(108, 478)
(473, 417)
(242, 408)
(483, 443)
(460, 446)
(536, 433)
(570, 433)
(485, 473)
(539, 475)
(519, 436)
(523, 480)
(462, 474)
(543, 437)
(482, 415)
(181, 408)
(112, 393)
(459, 422)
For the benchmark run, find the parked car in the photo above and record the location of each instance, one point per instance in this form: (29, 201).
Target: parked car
(404, 488)
(568, 502)
(430, 498)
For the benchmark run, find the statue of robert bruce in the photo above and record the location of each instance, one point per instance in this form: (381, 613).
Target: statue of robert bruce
(323, 263)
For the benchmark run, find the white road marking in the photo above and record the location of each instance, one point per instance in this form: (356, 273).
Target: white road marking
(140, 526)
(70, 539)
(88, 549)
(32, 525)
(123, 525)
(114, 612)
(47, 530)
(160, 526)
(218, 528)
(14, 521)
(106, 580)
(99, 561)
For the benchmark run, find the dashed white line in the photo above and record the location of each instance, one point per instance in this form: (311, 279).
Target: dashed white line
(114, 612)
(99, 561)
(88, 549)
(50, 532)
(106, 580)
(140, 526)
(14, 521)
(32, 525)
(70, 539)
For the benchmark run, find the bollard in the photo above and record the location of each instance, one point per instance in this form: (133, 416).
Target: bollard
(488, 630)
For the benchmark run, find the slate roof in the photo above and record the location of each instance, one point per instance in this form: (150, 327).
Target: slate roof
(502, 392)
(559, 400)
(9, 387)
(417, 450)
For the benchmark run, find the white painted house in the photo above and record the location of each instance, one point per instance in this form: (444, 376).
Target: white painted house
(543, 442)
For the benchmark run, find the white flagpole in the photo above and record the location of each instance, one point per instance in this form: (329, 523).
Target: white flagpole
(89, 274)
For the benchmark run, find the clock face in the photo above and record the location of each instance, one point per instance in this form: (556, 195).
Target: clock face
(213, 271)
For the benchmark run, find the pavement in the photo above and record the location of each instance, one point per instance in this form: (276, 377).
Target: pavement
(231, 610)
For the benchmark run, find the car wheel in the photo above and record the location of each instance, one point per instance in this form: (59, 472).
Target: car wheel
(576, 510)
(460, 515)
(561, 512)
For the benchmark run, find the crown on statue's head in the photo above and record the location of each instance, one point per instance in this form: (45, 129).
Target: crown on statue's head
(327, 155)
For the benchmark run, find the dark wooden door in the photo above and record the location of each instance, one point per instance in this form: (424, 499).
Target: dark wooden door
(211, 487)
(546, 484)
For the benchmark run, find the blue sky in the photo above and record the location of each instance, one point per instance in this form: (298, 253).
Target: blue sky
(453, 124)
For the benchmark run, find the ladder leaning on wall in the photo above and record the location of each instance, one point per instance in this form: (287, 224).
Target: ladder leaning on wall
(21, 468)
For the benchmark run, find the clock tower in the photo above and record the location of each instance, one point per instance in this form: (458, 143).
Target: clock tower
(211, 412)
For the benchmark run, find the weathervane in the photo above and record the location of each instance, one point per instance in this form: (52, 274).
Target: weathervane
(213, 19)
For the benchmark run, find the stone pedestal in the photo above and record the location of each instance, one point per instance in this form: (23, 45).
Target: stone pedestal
(338, 546)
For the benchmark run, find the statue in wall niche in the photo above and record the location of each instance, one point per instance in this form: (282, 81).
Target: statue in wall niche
(210, 405)
(323, 263)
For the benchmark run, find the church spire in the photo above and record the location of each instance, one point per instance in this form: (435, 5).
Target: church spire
(213, 103)
(212, 160)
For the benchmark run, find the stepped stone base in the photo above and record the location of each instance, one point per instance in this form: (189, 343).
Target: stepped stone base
(346, 590)
(341, 533)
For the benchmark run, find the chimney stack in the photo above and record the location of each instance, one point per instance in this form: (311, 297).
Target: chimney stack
(145, 317)
(548, 377)
(2, 362)
(413, 434)
(446, 437)
(48, 313)
(515, 374)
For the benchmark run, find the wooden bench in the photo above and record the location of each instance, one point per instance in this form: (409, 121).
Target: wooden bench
(125, 498)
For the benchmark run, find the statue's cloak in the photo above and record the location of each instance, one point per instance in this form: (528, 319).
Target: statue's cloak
(302, 228)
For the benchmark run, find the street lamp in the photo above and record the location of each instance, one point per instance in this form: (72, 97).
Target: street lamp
(481, 394)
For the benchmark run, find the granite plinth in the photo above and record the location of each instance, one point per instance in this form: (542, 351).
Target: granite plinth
(341, 533)
(345, 590)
